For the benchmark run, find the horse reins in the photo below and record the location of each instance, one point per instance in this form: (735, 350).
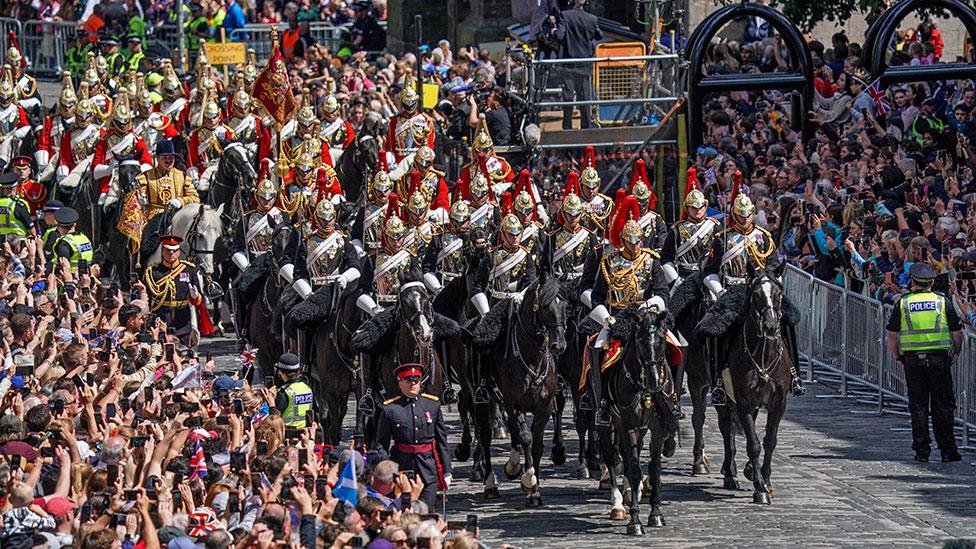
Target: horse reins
(763, 368)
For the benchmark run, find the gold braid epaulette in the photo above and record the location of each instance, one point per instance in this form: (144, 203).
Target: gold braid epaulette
(759, 256)
(622, 281)
(165, 286)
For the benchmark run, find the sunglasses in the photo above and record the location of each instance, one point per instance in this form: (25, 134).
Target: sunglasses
(412, 379)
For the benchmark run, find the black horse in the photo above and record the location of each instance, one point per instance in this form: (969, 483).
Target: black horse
(637, 385)
(117, 260)
(758, 376)
(521, 362)
(358, 162)
(262, 303)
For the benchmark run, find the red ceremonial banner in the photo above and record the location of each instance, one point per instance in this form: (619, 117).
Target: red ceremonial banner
(273, 90)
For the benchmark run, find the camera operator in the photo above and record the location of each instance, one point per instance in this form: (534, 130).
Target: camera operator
(577, 34)
(458, 114)
(490, 101)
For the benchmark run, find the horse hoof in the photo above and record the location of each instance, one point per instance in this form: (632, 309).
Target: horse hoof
(492, 493)
(582, 473)
(635, 529)
(761, 498)
(534, 500)
(618, 514)
(747, 471)
(499, 433)
(730, 483)
(604, 484)
(558, 455)
(655, 521)
(462, 452)
(669, 446)
(476, 475)
(512, 475)
(699, 469)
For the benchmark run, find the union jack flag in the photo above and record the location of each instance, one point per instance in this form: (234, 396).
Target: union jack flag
(881, 101)
(248, 357)
(198, 463)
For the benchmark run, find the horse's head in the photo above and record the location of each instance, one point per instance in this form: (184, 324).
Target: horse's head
(128, 171)
(280, 237)
(765, 302)
(237, 163)
(548, 307)
(202, 235)
(650, 338)
(415, 305)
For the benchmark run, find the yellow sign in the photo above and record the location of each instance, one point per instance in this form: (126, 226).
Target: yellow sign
(430, 95)
(225, 53)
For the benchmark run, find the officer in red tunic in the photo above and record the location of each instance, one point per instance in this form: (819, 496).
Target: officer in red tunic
(27, 187)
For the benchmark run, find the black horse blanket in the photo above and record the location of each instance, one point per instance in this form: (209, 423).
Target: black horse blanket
(249, 282)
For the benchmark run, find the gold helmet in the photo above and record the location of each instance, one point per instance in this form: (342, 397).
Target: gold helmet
(324, 212)
(393, 227)
(307, 121)
(305, 162)
(144, 99)
(382, 182)
(482, 140)
(91, 72)
(460, 211)
(7, 91)
(330, 104)
(417, 203)
(172, 87)
(590, 178)
(639, 184)
(202, 66)
(511, 225)
(424, 157)
(524, 204)
(14, 57)
(242, 100)
(694, 197)
(743, 206)
(266, 189)
(211, 112)
(572, 205)
(479, 184)
(131, 85)
(251, 69)
(408, 96)
(632, 231)
(68, 99)
(121, 116)
(84, 109)
(101, 66)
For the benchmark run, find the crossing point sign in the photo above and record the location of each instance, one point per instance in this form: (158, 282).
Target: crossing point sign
(225, 53)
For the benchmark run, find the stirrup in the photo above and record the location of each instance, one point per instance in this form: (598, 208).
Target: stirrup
(584, 403)
(367, 404)
(797, 388)
(241, 345)
(603, 416)
(718, 397)
(481, 395)
(677, 412)
(449, 396)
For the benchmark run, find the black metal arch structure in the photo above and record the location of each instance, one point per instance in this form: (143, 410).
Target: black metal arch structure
(883, 29)
(799, 79)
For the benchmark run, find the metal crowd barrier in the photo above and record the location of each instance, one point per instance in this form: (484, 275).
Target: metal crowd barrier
(841, 335)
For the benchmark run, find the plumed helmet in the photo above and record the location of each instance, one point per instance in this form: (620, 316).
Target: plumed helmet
(121, 115)
(624, 224)
(743, 206)
(694, 197)
(572, 205)
(460, 211)
(7, 92)
(172, 88)
(482, 140)
(424, 157)
(84, 109)
(211, 111)
(589, 177)
(241, 100)
(408, 96)
(393, 227)
(382, 182)
(330, 104)
(307, 118)
(91, 72)
(524, 201)
(640, 185)
(266, 189)
(101, 64)
(511, 225)
(251, 69)
(305, 161)
(68, 99)
(479, 184)
(417, 203)
(324, 212)
(13, 58)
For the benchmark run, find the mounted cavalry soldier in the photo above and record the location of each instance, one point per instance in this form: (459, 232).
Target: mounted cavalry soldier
(409, 129)
(524, 207)
(392, 259)
(312, 180)
(420, 227)
(596, 206)
(77, 142)
(567, 246)
(252, 239)
(55, 125)
(735, 251)
(508, 269)
(301, 134)
(447, 253)
(690, 239)
(368, 226)
(335, 132)
(174, 292)
(655, 230)
(496, 169)
(204, 148)
(99, 88)
(14, 124)
(629, 275)
(248, 128)
(118, 144)
(430, 183)
(150, 125)
(480, 198)
(174, 104)
(24, 84)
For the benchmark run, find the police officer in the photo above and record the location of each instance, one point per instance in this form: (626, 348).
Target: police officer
(133, 55)
(109, 45)
(71, 245)
(414, 422)
(925, 335)
(15, 215)
(49, 229)
(294, 398)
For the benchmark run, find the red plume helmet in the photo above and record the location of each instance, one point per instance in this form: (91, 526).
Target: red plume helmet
(525, 184)
(692, 183)
(381, 163)
(736, 186)
(506, 206)
(392, 207)
(572, 184)
(618, 202)
(640, 174)
(626, 211)
(589, 157)
(460, 191)
(12, 43)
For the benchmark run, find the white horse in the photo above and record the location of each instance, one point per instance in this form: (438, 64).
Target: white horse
(203, 225)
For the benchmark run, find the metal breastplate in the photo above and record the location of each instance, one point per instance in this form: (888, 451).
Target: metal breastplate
(691, 260)
(595, 213)
(246, 133)
(627, 278)
(313, 143)
(531, 242)
(405, 131)
(9, 118)
(85, 147)
(259, 242)
(336, 138)
(735, 270)
(506, 283)
(452, 265)
(371, 233)
(388, 284)
(323, 263)
(421, 239)
(569, 266)
(113, 139)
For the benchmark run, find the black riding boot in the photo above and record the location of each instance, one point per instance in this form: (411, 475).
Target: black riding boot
(717, 397)
(796, 383)
(596, 387)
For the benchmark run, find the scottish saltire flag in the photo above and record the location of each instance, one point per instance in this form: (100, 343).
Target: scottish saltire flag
(198, 463)
(881, 102)
(346, 489)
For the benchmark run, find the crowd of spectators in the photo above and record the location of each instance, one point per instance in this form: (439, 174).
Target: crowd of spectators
(883, 183)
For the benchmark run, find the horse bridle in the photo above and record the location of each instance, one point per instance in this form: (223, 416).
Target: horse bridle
(762, 366)
(192, 234)
(536, 377)
(640, 383)
(421, 344)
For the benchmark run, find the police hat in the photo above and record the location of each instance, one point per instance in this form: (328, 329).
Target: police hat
(52, 206)
(288, 362)
(66, 216)
(410, 369)
(133, 39)
(106, 39)
(165, 148)
(921, 272)
(9, 179)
